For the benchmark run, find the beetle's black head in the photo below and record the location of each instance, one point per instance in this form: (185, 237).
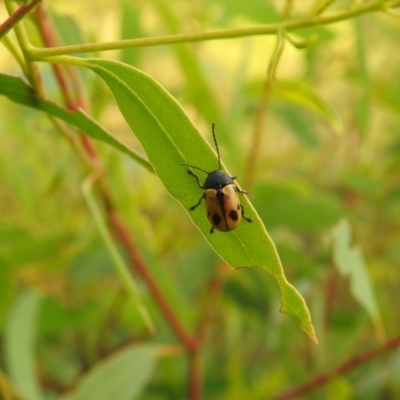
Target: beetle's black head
(217, 180)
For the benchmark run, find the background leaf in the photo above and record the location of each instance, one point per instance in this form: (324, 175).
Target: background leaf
(121, 376)
(16, 90)
(350, 261)
(20, 338)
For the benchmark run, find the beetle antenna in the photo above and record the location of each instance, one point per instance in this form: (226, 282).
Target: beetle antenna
(192, 166)
(216, 145)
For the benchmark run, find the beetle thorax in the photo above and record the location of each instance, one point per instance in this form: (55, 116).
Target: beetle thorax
(217, 180)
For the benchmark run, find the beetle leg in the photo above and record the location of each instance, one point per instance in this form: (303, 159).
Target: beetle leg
(212, 230)
(247, 219)
(240, 190)
(198, 203)
(190, 172)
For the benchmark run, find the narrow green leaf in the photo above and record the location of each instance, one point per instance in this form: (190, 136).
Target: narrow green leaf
(170, 139)
(118, 262)
(197, 84)
(300, 127)
(6, 284)
(16, 90)
(19, 343)
(121, 376)
(130, 29)
(350, 262)
(306, 98)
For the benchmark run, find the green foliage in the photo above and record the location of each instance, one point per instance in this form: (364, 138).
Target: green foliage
(129, 371)
(326, 189)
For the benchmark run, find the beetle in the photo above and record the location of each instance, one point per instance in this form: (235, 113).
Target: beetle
(224, 210)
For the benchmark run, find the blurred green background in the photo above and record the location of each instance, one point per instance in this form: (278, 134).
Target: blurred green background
(326, 186)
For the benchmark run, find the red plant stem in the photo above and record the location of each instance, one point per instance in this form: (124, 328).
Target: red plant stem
(123, 235)
(192, 344)
(214, 289)
(72, 104)
(194, 390)
(17, 16)
(341, 370)
(120, 229)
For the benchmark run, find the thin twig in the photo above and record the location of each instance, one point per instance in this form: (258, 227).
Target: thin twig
(124, 237)
(71, 103)
(341, 370)
(17, 16)
(119, 228)
(214, 290)
(260, 114)
(268, 29)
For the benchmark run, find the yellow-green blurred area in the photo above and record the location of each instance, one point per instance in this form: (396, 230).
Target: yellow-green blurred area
(325, 183)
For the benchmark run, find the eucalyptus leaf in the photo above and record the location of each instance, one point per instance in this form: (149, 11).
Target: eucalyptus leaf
(350, 262)
(19, 92)
(170, 139)
(121, 376)
(19, 344)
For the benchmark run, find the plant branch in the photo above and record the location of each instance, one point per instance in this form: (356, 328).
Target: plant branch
(119, 228)
(260, 114)
(270, 29)
(11, 46)
(194, 390)
(124, 238)
(341, 370)
(72, 104)
(215, 287)
(31, 71)
(122, 270)
(17, 16)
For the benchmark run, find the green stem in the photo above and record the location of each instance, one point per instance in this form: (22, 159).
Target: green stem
(12, 47)
(31, 71)
(260, 114)
(121, 269)
(271, 29)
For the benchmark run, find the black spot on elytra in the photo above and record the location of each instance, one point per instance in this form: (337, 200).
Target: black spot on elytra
(216, 219)
(233, 215)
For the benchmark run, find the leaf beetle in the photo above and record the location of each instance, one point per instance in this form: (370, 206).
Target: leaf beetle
(224, 210)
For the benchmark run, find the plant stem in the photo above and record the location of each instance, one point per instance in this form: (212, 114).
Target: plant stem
(123, 236)
(270, 29)
(341, 370)
(194, 377)
(118, 227)
(122, 270)
(17, 16)
(260, 114)
(12, 47)
(31, 70)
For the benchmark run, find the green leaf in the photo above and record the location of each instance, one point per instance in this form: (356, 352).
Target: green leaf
(121, 376)
(299, 125)
(16, 90)
(197, 84)
(170, 139)
(305, 97)
(130, 29)
(6, 285)
(350, 262)
(19, 341)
